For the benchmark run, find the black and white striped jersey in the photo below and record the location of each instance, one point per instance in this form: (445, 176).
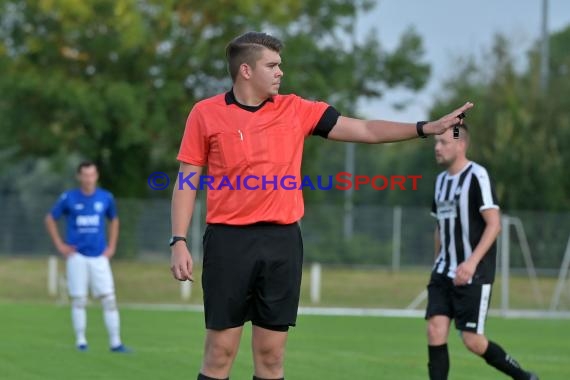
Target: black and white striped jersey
(457, 205)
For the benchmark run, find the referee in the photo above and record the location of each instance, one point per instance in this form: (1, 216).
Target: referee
(253, 250)
(468, 223)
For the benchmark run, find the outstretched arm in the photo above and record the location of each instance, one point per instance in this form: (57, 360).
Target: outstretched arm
(383, 131)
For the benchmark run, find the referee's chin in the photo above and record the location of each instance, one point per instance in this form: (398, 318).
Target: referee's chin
(274, 90)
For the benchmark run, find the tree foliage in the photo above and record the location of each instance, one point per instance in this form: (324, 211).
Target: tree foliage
(114, 80)
(520, 131)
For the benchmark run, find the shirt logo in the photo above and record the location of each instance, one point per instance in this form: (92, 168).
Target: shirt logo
(87, 220)
(98, 206)
(446, 209)
(79, 206)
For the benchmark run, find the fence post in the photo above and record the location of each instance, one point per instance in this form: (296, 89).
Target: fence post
(315, 283)
(396, 238)
(185, 290)
(52, 275)
(505, 241)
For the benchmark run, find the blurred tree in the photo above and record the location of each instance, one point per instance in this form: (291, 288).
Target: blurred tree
(520, 133)
(114, 80)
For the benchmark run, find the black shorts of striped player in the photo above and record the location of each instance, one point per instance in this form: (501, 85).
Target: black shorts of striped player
(456, 128)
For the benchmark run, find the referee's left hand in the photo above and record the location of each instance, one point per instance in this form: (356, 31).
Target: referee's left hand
(448, 121)
(181, 263)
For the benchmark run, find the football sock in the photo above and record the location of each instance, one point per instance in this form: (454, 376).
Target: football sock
(112, 320)
(497, 357)
(204, 377)
(79, 319)
(438, 365)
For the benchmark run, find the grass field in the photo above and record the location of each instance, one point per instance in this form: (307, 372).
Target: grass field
(37, 343)
(25, 279)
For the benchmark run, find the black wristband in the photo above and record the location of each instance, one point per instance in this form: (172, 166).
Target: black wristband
(420, 128)
(175, 239)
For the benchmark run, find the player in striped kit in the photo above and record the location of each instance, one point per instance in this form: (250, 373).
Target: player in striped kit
(87, 252)
(468, 223)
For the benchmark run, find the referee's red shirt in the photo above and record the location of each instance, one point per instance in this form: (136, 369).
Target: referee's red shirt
(266, 142)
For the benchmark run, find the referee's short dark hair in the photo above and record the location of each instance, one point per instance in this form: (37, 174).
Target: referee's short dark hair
(247, 48)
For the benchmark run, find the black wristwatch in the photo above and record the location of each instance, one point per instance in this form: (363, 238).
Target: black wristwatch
(175, 239)
(420, 128)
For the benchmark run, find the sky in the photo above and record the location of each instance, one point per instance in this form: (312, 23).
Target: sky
(452, 29)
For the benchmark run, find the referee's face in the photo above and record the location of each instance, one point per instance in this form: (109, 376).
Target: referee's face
(447, 149)
(266, 77)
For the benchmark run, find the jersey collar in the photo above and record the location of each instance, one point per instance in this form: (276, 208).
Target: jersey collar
(231, 99)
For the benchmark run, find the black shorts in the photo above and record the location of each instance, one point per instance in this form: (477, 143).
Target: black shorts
(468, 305)
(252, 273)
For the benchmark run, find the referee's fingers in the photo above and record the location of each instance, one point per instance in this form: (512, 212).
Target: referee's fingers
(465, 107)
(175, 272)
(459, 114)
(184, 272)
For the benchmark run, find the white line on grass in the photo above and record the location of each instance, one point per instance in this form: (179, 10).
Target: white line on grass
(364, 312)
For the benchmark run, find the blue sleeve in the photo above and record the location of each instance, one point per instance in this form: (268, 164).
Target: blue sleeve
(60, 206)
(111, 212)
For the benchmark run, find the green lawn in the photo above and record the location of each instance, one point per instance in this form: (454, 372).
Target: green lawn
(36, 342)
(25, 279)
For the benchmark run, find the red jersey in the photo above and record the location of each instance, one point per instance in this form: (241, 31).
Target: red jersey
(253, 154)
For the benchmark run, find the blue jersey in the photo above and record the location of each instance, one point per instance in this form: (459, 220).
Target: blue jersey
(85, 219)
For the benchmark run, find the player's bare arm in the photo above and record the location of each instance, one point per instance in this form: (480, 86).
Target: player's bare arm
(382, 131)
(51, 226)
(437, 242)
(113, 229)
(466, 269)
(183, 200)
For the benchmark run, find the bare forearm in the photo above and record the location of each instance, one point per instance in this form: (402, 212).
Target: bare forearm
(381, 131)
(113, 232)
(437, 243)
(52, 230)
(487, 239)
(181, 211)
(183, 200)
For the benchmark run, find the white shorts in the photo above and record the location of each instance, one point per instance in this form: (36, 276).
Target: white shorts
(84, 272)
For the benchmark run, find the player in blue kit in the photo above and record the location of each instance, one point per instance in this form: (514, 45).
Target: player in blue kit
(87, 252)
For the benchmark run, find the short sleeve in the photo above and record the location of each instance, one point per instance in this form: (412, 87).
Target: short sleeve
(111, 211)
(60, 207)
(483, 192)
(315, 113)
(194, 145)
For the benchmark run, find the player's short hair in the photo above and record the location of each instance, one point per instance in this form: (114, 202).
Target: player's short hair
(247, 48)
(85, 164)
(464, 132)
